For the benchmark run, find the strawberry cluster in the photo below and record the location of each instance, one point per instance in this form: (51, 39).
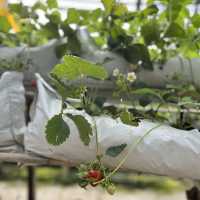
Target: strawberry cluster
(95, 174)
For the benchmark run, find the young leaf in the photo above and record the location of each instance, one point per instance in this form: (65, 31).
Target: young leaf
(84, 128)
(74, 67)
(57, 131)
(127, 118)
(115, 150)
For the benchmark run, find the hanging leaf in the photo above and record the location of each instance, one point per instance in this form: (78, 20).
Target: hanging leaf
(74, 67)
(84, 128)
(115, 150)
(57, 131)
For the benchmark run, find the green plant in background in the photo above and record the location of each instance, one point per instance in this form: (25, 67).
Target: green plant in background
(165, 28)
(32, 32)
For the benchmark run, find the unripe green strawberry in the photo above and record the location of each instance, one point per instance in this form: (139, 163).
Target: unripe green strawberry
(111, 189)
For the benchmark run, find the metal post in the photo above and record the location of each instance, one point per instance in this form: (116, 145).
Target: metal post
(31, 183)
(30, 169)
(193, 194)
(138, 4)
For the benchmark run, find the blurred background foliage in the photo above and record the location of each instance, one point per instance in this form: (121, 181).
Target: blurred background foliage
(67, 176)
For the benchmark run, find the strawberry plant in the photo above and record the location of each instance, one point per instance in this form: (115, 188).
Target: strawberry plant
(57, 131)
(143, 38)
(163, 29)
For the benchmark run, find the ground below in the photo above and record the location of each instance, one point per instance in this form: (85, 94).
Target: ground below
(17, 191)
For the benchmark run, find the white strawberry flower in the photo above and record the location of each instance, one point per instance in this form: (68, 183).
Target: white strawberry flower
(131, 77)
(115, 72)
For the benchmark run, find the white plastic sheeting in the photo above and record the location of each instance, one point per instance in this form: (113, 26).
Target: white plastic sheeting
(12, 111)
(39, 59)
(165, 151)
(176, 70)
(91, 52)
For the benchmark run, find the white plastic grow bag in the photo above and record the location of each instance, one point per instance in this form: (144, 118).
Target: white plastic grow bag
(39, 59)
(165, 151)
(91, 52)
(176, 70)
(12, 111)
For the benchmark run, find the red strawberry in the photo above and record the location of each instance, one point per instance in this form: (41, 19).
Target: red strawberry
(95, 175)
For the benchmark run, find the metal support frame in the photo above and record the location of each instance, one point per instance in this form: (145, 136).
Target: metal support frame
(31, 183)
(30, 170)
(193, 194)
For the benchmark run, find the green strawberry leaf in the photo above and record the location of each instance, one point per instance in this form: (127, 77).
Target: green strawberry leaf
(57, 131)
(84, 128)
(52, 4)
(115, 150)
(127, 118)
(74, 67)
(108, 5)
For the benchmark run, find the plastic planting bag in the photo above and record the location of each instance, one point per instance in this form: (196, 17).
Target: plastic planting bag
(39, 59)
(164, 151)
(175, 70)
(12, 107)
